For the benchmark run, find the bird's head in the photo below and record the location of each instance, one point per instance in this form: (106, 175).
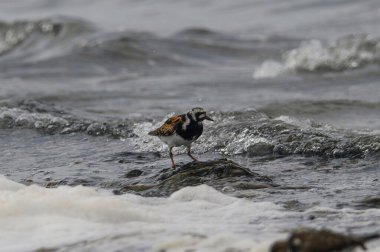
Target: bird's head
(198, 115)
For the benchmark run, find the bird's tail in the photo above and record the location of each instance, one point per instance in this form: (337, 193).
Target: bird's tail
(153, 133)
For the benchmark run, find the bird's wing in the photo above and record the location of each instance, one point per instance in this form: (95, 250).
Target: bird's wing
(168, 128)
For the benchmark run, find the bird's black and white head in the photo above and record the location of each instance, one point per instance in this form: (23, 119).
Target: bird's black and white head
(198, 115)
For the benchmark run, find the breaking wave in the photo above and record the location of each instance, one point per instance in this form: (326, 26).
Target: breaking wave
(14, 34)
(254, 134)
(233, 133)
(346, 53)
(39, 40)
(31, 114)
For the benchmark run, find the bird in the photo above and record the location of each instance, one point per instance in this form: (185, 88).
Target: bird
(182, 130)
(324, 240)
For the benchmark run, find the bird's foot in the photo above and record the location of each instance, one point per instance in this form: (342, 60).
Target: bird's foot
(193, 158)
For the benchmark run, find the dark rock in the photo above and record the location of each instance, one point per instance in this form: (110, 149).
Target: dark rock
(250, 186)
(312, 240)
(79, 181)
(133, 173)
(294, 205)
(371, 202)
(116, 192)
(53, 184)
(137, 188)
(216, 173)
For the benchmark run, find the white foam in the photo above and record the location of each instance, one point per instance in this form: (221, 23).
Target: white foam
(28, 119)
(269, 69)
(9, 185)
(198, 217)
(193, 218)
(307, 124)
(346, 53)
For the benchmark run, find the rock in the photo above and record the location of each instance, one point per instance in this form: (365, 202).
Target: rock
(54, 184)
(216, 173)
(312, 240)
(370, 202)
(133, 173)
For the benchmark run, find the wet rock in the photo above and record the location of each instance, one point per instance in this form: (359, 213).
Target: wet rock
(294, 205)
(54, 184)
(370, 202)
(137, 188)
(133, 173)
(250, 186)
(79, 181)
(312, 240)
(216, 173)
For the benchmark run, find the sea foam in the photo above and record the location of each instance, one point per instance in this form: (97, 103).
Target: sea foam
(346, 53)
(193, 218)
(77, 217)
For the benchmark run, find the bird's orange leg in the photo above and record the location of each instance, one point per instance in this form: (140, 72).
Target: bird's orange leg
(171, 157)
(189, 153)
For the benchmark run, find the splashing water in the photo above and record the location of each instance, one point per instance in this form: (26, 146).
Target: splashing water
(346, 53)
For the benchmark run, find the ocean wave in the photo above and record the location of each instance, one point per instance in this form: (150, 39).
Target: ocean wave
(254, 134)
(247, 132)
(46, 118)
(190, 47)
(37, 40)
(346, 53)
(14, 34)
(71, 42)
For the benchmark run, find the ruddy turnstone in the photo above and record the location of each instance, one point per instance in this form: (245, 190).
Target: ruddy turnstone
(181, 130)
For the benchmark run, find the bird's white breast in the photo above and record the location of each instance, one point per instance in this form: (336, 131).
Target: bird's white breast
(175, 140)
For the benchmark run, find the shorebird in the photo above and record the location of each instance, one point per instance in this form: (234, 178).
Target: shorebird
(182, 130)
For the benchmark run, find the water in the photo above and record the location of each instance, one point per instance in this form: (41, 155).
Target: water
(293, 88)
